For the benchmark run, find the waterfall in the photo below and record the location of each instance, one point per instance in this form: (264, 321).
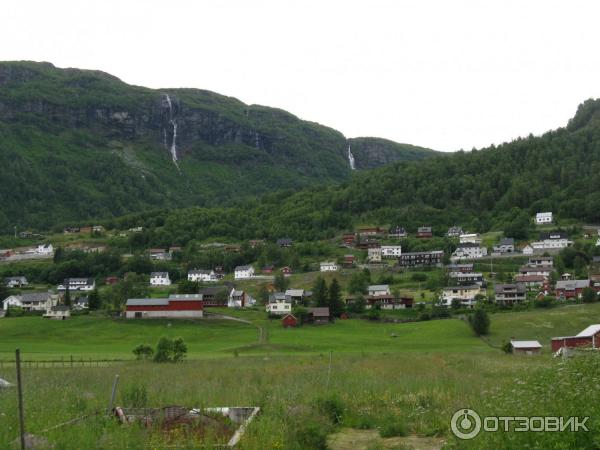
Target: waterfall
(351, 159)
(173, 123)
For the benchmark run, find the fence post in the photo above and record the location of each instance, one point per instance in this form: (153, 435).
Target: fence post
(20, 395)
(113, 394)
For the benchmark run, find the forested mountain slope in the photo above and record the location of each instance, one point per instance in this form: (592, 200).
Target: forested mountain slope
(493, 187)
(77, 144)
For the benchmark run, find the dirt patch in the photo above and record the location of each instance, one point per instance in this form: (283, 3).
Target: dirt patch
(364, 439)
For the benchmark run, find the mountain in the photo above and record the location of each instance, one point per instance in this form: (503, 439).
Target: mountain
(497, 188)
(372, 152)
(79, 144)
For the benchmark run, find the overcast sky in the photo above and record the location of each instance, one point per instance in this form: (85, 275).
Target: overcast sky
(441, 74)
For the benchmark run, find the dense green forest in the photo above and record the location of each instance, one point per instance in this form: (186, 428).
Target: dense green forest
(495, 188)
(82, 145)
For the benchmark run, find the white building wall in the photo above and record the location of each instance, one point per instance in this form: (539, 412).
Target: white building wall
(165, 314)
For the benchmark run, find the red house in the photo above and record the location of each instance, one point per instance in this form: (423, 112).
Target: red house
(349, 238)
(590, 337)
(424, 233)
(348, 261)
(177, 306)
(570, 288)
(289, 321)
(111, 280)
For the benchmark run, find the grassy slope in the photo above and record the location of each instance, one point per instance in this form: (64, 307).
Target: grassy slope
(542, 324)
(104, 338)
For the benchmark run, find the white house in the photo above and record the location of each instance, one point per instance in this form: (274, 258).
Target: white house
(468, 278)
(543, 218)
(391, 251)
(551, 241)
(44, 249)
(464, 294)
(78, 284)
(12, 282)
(31, 301)
(374, 254)
(528, 250)
(469, 251)
(279, 304)
(469, 238)
(329, 266)
(59, 312)
(160, 279)
(198, 275)
(239, 299)
(378, 290)
(244, 272)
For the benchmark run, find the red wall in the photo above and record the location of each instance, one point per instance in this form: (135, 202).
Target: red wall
(289, 321)
(572, 342)
(173, 305)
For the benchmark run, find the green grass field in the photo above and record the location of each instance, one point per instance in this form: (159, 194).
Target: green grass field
(380, 391)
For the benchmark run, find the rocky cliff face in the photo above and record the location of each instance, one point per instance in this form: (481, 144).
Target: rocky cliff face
(370, 153)
(72, 128)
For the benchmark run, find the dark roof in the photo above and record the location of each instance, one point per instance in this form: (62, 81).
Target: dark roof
(468, 244)
(319, 312)
(507, 241)
(284, 241)
(35, 297)
(502, 288)
(424, 229)
(553, 235)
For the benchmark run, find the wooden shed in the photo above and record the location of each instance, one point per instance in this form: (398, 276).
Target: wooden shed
(289, 321)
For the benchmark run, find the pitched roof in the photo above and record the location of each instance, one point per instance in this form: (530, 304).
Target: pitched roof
(319, 312)
(159, 274)
(33, 297)
(238, 268)
(501, 288)
(147, 302)
(526, 344)
(200, 272)
(185, 297)
(379, 287)
(553, 235)
(590, 331)
(572, 284)
(295, 292)
(507, 241)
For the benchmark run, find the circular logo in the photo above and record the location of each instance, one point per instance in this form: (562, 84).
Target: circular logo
(465, 424)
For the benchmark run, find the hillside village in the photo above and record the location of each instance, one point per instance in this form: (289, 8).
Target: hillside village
(373, 272)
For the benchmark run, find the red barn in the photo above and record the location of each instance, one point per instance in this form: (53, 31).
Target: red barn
(177, 306)
(289, 321)
(590, 337)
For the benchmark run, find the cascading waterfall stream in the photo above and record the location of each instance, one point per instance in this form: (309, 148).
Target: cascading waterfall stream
(173, 148)
(351, 159)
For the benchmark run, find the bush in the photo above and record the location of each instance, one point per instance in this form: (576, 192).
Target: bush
(332, 407)
(169, 350)
(143, 351)
(480, 322)
(506, 347)
(392, 427)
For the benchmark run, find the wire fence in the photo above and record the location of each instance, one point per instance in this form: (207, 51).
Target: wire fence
(66, 362)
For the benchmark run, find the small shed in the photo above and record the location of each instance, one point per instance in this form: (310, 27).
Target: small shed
(319, 316)
(289, 321)
(526, 347)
